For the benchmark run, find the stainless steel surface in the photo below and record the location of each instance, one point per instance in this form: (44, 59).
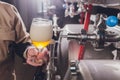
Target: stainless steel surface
(100, 69)
(69, 49)
(115, 30)
(76, 28)
(72, 46)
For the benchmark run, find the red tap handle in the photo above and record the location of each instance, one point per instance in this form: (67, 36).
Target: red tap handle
(86, 25)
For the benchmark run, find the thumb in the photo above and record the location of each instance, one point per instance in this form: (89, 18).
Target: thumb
(32, 51)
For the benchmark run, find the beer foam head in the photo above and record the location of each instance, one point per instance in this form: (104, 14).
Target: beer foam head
(41, 30)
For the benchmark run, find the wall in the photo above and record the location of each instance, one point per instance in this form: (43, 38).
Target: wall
(28, 11)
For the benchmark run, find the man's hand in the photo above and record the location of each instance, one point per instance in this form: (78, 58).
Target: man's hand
(37, 56)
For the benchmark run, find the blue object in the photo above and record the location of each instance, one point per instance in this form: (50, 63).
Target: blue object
(112, 21)
(64, 6)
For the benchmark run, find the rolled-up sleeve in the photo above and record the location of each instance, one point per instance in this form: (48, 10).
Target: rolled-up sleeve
(22, 38)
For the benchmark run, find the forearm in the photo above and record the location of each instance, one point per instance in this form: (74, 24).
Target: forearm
(20, 48)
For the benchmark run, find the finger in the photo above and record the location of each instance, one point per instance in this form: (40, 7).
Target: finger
(32, 52)
(44, 50)
(42, 53)
(34, 62)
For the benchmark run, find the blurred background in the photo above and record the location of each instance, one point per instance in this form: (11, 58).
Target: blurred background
(30, 9)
